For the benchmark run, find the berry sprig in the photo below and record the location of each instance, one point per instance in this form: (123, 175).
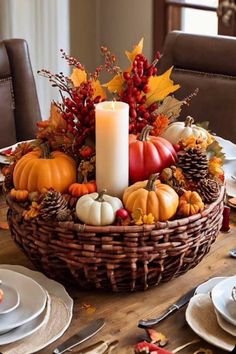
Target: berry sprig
(78, 103)
(110, 61)
(58, 80)
(134, 93)
(79, 112)
(71, 60)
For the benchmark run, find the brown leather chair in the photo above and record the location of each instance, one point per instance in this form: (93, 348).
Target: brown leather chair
(209, 64)
(19, 107)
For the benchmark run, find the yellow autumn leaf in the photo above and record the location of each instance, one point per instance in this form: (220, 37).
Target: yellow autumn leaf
(139, 221)
(137, 50)
(160, 87)
(115, 85)
(78, 76)
(137, 216)
(148, 219)
(98, 89)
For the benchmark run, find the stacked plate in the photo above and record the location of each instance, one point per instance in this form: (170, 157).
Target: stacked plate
(5, 153)
(211, 313)
(29, 301)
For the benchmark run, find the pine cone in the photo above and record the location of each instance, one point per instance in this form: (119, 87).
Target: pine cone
(209, 190)
(64, 215)
(194, 163)
(52, 204)
(8, 182)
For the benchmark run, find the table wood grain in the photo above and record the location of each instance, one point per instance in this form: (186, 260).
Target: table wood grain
(123, 311)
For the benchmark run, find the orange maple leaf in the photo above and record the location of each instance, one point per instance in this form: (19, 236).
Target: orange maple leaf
(160, 87)
(98, 89)
(115, 84)
(4, 225)
(137, 50)
(78, 76)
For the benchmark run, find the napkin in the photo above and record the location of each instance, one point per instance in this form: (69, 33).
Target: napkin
(57, 320)
(200, 315)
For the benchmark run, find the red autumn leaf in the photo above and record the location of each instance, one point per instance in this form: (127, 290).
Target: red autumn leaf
(6, 152)
(146, 348)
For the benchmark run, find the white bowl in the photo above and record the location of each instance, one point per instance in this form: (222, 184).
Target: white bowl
(32, 300)
(223, 301)
(11, 298)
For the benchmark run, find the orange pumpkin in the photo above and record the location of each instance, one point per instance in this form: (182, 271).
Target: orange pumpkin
(190, 203)
(38, 169)
(19, 195)
(79, 189)
(151, 196)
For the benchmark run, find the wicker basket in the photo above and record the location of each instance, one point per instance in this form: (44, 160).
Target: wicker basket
(117, 258)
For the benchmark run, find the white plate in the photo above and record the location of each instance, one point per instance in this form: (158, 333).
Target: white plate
(11, 298)
(207, 286)
(226, 326)
(28, 328)
(3, 158)
(200, 316)
(229, 166)
(32, 300)
(53, 288)
(223, 301)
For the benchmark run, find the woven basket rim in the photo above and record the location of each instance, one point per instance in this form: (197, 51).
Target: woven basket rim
(129, 228)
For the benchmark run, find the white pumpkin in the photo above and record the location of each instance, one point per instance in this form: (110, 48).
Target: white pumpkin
(98, 208)
(182, 130)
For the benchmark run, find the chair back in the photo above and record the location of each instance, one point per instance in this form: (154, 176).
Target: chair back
(209, 64)
(19, 107)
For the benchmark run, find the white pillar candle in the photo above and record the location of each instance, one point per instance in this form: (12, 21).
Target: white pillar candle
(112, 147)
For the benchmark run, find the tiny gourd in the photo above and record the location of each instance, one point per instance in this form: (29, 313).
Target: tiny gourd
(178, 131)
(19, 195)
(98, 209)
(79, 189)
(190, 203)
(152, 196)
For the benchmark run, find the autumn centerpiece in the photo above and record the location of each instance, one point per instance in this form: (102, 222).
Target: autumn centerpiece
(114, 192)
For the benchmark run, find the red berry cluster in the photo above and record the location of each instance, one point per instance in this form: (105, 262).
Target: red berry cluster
(136, 87)
(78, 106)
(79, 112)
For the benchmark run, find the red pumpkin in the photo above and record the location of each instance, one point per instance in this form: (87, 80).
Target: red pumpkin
(148, 155)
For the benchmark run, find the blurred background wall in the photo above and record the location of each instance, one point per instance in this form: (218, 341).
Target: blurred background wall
(80, 27)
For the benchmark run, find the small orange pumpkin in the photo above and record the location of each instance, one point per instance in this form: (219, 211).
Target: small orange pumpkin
(41, 169)
(153, 197)
(19, 195)
(79, 189)
(190, 203)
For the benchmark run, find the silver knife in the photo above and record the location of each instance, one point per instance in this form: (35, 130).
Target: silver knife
(180, 303)
(81, 336)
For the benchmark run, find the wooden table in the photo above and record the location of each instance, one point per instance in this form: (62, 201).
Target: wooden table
(122, 311)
